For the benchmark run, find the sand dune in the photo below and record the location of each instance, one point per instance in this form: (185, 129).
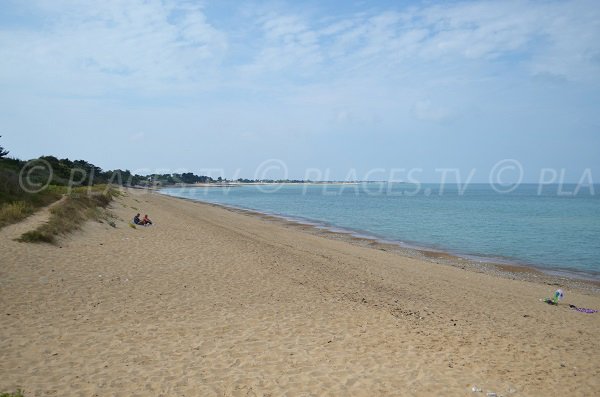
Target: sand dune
(212, 302)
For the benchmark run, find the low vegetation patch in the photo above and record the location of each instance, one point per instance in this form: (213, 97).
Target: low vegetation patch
(16, 204)
(18, 393)
(20, 180)
(15, 212)
(70, 214)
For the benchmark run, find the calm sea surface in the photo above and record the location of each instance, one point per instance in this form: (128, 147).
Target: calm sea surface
(553, 229)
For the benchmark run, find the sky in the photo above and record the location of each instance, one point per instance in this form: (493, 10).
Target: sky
(307, 90)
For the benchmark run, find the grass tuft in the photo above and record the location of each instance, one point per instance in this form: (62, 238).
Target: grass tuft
(18, 393)
(37, 236)
(14, 212)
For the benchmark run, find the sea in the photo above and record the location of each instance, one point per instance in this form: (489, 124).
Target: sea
(555, 228)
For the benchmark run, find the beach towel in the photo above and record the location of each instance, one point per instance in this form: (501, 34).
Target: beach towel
(583, 309)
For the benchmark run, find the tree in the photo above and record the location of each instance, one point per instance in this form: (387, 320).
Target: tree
(2, 151)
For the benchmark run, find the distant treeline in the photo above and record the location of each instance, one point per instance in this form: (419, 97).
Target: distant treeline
(65, 172)
(50, 170)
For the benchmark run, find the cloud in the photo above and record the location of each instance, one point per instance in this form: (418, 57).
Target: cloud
(426, 111)
(552, 37)
(137, 137)
(156, 47)
(85, 49)
(288, 43)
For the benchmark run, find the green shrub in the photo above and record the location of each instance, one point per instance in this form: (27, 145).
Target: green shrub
(37, 236)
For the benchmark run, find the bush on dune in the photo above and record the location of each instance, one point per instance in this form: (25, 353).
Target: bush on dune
(70, 214)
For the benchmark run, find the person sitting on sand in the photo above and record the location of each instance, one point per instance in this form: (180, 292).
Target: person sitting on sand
(136, 219)
(146, 221)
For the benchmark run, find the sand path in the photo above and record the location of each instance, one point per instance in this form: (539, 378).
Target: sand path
(30, 223)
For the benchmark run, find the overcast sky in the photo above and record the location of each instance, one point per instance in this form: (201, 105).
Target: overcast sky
(338, 86)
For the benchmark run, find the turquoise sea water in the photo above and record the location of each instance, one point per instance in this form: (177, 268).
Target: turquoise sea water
(552, 229)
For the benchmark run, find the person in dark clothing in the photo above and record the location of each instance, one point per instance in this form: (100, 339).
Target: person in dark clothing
(136, 219)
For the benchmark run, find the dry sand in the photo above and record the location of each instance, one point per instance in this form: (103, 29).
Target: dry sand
(213, 302)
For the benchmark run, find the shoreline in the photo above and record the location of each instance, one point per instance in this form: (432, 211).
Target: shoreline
(582, 281)
(237, 184)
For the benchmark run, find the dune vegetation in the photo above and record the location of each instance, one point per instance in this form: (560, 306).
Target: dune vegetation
(71, 212)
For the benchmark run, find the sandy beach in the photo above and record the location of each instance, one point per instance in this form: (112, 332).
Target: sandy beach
(212, 302)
